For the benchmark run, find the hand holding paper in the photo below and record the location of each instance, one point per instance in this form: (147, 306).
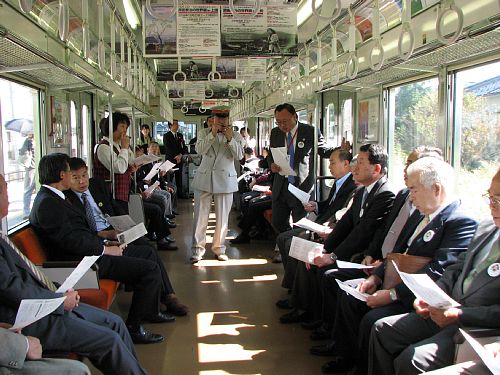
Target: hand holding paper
(280, 158)
(77, 273)
(132, 234)
(311, 225)
(344, 285)
(299, 194)
(493, 363)
(304, 250)
(31, 310)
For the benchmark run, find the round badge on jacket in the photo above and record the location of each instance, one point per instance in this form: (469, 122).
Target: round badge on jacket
(300, 144)
(428, 235)
(494, 270)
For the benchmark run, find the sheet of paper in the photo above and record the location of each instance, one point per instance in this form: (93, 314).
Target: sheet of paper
(166, 166)
(150, 189)
(145, 159)
(121, 223)
(342, 264)
(280, 158)
(299, 194)
(305, 250)
(425, 288)
(77, 273)
(261, 188)
(152, 172)
(243, 176)
(132, 234)
(310, 225)
(354, 282)
(31, 310)
(352, 291)
(491, 362)
(174, 169)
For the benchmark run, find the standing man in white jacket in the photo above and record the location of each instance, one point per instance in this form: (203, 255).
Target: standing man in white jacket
(216, 177)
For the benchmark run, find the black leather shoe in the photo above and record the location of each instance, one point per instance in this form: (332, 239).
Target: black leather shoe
(140, 336)
(161, 317)
(293, 316)
(339, 364)
(323, 350)
(163, 244)
(312, 325)
(284, 304)
(175, 213)
(321, 333)
(171, 216)
(171, 224)
(170, 239)
(242, 238)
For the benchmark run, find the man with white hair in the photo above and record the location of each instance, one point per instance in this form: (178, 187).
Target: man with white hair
(442, 235)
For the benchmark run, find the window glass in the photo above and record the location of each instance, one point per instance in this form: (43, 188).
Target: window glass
(73, 129)
(477, 123)
(413, 121)
(19, 108)
(85, 133)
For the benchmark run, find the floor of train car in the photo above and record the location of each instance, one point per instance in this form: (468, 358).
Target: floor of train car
(233, 325)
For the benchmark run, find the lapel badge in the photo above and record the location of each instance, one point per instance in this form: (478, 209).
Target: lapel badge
(429, 235)
(300, 144)
(494, 270)
(100, 204)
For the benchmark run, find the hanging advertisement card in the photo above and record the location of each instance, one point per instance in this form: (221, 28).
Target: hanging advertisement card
(159, 35)
(196, 69)
(282, 37)
(243, 36)
(251, 69)
(368, 115)
(198, 30)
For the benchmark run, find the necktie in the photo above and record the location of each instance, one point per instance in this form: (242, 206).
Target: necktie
(89, 213)
(363, 200)
(419, 229)
(31, 266)
(492, 257)
(334, 190)
(396, 228)
(291, 156)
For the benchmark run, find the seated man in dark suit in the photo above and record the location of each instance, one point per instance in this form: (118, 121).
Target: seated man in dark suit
(66, 234)
(422, 341)
(351, 234)
(97, 334)
(442, 234)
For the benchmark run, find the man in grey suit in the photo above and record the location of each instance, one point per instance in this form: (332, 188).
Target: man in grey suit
(23, 355)
(298, 139)
(423, 341)
(215, 178)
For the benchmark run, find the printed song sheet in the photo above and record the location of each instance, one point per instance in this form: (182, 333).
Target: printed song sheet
(425, 288)
(132, 234)
(152, 172)
(311, 225)
(261, 188)
(305, 250)
(281, 158)
(243, 176)
(77, 273)
(342, 264)
(491, 362)
(150, 189)
(352, 291)
(145, 159)
(31, 310)
(121, 223)
(166, 166)
(299, 194)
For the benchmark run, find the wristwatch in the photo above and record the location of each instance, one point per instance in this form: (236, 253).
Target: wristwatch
(393, 294)
(106, 242)
(333, 257)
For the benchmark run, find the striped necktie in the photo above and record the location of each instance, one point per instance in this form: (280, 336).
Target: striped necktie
(396, 228)
(89, 213)
(39, 275)
(419, 229)
(291, 156)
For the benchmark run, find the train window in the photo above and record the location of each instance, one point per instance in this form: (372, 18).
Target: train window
(73, 129)
(188, 131)
(19, 111)
(413, 121)
(477, 129)
(85, 132)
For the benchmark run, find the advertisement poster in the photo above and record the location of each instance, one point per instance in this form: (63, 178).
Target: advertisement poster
(198, 30)
(196, 69)
(368, 119)
(160, 37)
(282, 38)
(251, 69)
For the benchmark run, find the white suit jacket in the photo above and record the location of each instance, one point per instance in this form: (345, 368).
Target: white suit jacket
(216, 173)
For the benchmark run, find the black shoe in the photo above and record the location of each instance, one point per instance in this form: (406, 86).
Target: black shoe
(312, 324)
(323, 350)
(169, 239)
(293, 316)
(284, 304)
(151, 236)
(242, 238)
(140, 336)
(171, 224)
(163, 244)
(321, 333)
(171, 216)
(339, 364)
(161, 317)
(175, 213)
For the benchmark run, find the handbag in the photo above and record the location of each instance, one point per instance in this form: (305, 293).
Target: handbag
(406, 263)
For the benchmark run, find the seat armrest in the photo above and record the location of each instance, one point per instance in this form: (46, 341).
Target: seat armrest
(476, 332)
(60, 264)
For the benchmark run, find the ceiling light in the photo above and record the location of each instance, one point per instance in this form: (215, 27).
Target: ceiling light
(132, 17)
(305, 11)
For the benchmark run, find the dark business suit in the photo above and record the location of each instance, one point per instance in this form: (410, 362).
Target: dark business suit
(89, 331)
(413, 340)
(351, 235)
(326, 212)
(304, 160)
(173, 147)
(452, 232)
(65, 235)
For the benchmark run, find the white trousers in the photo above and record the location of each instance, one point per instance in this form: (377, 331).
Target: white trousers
(202, 203)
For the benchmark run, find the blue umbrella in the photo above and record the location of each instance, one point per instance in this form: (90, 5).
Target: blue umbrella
(20, 125)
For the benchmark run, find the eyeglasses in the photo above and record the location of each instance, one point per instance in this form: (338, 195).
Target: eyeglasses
(492, 200)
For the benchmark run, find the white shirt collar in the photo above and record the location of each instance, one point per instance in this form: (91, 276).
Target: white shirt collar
(370, 187)
(294, 129)
(117, 145)
(56, 191)
(440, 208)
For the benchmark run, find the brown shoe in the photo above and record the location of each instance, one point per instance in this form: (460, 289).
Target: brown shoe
(173, 306)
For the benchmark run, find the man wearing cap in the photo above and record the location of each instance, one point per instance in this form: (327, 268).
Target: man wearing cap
(215, 177)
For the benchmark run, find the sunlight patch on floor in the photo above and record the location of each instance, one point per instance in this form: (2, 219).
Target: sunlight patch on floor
(221, 372)
(257, 278)
(231, 262)
(210, 281)
(206, 328)
(224, 353)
